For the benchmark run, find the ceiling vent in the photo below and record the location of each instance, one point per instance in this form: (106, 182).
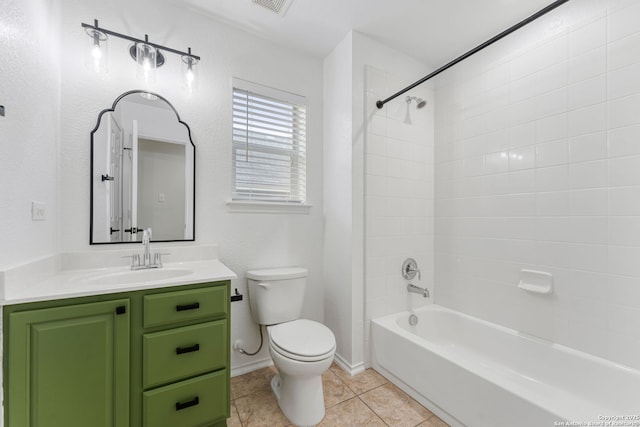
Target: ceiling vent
(278, 6)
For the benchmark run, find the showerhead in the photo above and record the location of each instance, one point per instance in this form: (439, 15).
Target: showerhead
(420, 103)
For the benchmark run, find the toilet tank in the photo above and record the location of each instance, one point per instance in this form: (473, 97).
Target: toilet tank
(276, 295)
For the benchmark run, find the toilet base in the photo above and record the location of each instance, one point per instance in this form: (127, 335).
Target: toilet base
(300, 398)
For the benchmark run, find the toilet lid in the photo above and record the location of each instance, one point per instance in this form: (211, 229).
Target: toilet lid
(303, 337)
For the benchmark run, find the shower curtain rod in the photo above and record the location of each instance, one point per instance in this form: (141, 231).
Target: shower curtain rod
(476, 49)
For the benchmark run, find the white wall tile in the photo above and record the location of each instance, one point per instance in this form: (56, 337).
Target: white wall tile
(624, 171)
(624, 231)
(552, 128)
(588, 92)
(624, 111)
(623, 261)
(588, 37)
(588, 147)
(624, 81)
(552, 153)
(590, 202)
(587, 65)
(624, 201)
(624, 52)
(572, 103)
(554, 178)
(624, 22)
(624, 141)
(588, 174)
(587, 120)
(375, 164)
(521, 135)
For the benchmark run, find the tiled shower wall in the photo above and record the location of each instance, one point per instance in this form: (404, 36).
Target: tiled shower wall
(537, 160)
(398, 195)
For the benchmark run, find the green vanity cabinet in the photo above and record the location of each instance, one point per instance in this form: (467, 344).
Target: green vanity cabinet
(69, 365)
(153, 358)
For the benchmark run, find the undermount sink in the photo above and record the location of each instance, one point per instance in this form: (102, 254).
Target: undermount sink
(139, 276)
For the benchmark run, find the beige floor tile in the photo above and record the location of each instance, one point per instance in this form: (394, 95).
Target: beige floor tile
(433, 422)
(260, 410)
(351, 413)
(252, 382)
(360, 383)
(335, 391)
(234, 420)
(395, 407)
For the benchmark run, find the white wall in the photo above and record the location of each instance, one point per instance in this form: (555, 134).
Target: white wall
(538, 166)
(339, 244)
(246, 240)
(29, 133)
(398, 177)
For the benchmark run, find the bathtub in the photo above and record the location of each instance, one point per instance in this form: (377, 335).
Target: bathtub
(474, 373)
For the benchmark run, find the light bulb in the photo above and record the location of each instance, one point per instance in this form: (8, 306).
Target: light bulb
(96, 56)
(146, 57)
(189, 72)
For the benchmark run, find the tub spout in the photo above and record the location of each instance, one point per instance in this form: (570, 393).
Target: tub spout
(418, 290)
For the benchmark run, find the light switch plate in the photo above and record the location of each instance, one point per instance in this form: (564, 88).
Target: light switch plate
(38, 211)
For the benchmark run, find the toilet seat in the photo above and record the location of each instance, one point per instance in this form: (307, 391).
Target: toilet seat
(303, 340)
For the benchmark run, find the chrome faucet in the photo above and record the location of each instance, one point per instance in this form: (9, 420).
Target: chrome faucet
(146, 241)
(418, 290)
(137, 263)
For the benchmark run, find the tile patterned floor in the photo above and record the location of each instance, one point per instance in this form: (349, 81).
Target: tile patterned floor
(367, 399)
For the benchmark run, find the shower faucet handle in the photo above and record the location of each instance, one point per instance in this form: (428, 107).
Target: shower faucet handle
(410, 269)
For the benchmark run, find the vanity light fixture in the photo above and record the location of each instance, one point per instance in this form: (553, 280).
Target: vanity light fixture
(148, 56)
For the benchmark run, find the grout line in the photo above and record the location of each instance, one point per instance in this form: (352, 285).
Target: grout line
(372, 410)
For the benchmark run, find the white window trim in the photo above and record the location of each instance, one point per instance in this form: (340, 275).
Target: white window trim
(255, 206)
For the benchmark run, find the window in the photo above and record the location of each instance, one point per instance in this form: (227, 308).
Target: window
(269, 144)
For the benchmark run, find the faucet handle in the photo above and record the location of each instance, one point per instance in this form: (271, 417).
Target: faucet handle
(410, 268)
(157, 257)
(135, 259)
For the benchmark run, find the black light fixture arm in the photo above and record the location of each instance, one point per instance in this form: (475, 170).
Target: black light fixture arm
(475, 50)
(135, 40)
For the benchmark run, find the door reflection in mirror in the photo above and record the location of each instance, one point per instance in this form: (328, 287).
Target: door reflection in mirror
(147, 153)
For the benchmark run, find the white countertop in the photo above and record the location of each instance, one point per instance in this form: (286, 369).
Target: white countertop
(46, 279)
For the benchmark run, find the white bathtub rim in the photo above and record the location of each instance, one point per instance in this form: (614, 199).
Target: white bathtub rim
(561, 402)
(391, 319)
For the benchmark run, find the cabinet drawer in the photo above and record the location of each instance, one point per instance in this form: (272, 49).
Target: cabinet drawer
(191, 403)
(183, 352)
(178, 306)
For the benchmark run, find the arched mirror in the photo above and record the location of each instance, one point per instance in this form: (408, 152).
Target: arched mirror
(142, 172)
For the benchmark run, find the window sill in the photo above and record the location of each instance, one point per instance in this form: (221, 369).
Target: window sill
(252, 206)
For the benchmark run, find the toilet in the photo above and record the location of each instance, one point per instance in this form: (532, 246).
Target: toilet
(302, 350)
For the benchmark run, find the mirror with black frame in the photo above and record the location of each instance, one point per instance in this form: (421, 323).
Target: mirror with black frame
(142, 172)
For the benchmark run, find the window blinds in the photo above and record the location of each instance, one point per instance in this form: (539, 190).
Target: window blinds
(269, 145)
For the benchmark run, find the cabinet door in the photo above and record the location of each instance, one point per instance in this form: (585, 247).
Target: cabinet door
(69, 366)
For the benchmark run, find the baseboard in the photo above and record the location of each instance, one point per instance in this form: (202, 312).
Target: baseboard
(250, 367)
(351, 369)
(254, 366)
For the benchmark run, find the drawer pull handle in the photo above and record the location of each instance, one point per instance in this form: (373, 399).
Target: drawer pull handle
(185, 307)
(183, 350)
(185, 405)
